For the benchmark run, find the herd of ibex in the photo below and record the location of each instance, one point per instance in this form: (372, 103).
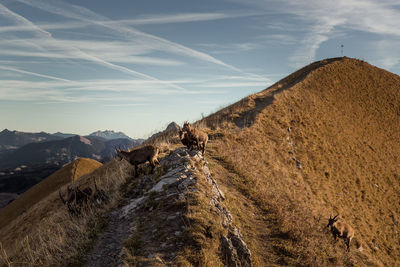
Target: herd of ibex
(190, 137)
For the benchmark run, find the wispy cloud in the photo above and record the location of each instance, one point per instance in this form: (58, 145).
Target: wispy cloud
(33, 74)
(145, 20)
(46, 37)
(185, 17)
(231, 48)
(277, 39)
(21, 21)
(117, 52)
(387, 53)
(320, 21)
(376, 17)
(86, 15)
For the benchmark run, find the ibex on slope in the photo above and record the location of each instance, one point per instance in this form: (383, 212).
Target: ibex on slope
(76, 199)
(341, 229)
(140, 155)
(196, 136)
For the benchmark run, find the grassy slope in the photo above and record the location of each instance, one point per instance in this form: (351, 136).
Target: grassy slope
(344, 119)
(44, 234)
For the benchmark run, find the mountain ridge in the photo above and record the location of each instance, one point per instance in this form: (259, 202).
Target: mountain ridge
(110, 134)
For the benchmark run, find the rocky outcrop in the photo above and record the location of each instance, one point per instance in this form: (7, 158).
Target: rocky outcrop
(171, 130)
(233, 247)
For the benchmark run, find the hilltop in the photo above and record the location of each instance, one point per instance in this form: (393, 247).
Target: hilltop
(322, 141)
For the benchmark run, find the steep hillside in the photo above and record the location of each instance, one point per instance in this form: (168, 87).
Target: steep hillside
(42, 233)
(327, 143)
(65, 175)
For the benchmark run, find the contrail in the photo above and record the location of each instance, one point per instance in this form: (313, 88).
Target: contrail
(83, 55)
(34, 74)
(83, 14)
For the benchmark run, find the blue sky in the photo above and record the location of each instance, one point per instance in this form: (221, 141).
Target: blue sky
(134, 66)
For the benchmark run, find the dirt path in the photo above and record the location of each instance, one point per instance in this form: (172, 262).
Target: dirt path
(107, 251)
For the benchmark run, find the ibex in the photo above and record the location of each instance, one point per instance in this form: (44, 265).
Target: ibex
(184, 137)
(196, 136)
(76, 198)
(341, 229)
(140, 155)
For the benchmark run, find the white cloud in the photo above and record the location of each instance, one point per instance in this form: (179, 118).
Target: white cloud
(33, 74)
(387, 53)
(21, 21)
(185, 17)
(146, 20)
(46, 39)
(86, 15)
(320, 21)
(231, 48)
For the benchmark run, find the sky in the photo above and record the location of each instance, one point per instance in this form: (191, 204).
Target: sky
(135, 66)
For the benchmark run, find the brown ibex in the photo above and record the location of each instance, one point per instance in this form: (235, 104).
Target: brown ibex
(341, 229)
(76, 198)
(196, 136)
(140, 155)
(184, 137)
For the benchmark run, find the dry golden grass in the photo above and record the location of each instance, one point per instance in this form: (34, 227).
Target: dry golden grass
(46, 235)
(200, 219)
(344, 121)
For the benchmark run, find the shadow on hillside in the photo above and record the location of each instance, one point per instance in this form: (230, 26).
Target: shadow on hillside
(266, 97)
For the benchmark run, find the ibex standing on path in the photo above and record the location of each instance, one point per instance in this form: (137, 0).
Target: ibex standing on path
(341, 229)
(140, 155)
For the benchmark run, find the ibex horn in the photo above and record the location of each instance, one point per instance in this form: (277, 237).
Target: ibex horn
(61, 197)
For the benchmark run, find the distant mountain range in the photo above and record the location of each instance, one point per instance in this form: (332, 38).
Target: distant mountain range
(19, 148)
(15, 139)
(110, 135)
(27, 158)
